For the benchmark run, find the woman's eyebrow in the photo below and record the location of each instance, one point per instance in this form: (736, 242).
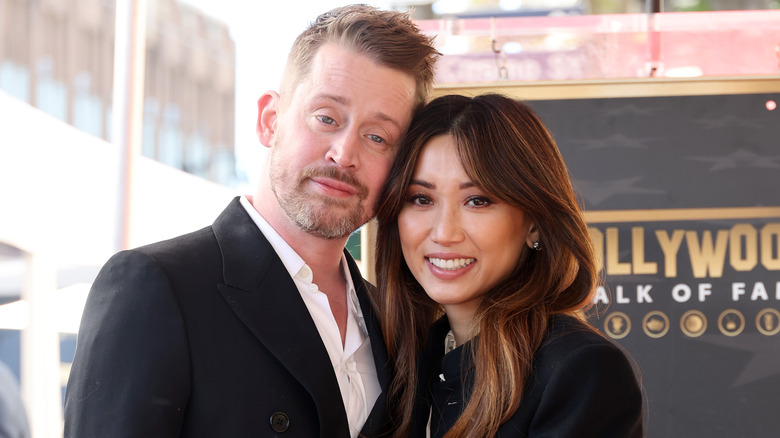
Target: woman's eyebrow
(419, 182)
(427, 185)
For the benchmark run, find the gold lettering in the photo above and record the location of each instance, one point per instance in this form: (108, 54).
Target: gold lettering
(747, 246)
(670, 246)
(707, 256)
(614, 266)
(770, 247)
(638, 253)
(743, 257)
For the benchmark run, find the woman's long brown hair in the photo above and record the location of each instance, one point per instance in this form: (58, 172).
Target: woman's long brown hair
(506, 151)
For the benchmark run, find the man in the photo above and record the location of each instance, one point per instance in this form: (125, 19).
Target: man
(260, 325)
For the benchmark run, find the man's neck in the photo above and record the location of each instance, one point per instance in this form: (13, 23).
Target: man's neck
(323, 256)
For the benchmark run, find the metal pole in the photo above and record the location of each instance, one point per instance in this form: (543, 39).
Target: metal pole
(654, 6)
(40, 348)
(655, 64)
(129, 65)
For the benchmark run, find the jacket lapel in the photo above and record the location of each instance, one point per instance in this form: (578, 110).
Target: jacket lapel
(264, 297)
(363, 290)
(377, 424)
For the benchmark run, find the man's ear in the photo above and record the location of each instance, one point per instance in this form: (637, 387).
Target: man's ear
(267, 113)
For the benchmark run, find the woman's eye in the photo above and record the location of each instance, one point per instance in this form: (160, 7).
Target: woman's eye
(478, 201)
(326, 120)
(420, 199)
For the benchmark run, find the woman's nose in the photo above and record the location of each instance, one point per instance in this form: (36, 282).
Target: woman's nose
(446, 228)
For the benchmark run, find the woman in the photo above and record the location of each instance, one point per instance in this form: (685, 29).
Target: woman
(483, 263)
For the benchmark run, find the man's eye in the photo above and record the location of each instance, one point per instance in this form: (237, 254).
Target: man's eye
(375, 138)
(326, 120)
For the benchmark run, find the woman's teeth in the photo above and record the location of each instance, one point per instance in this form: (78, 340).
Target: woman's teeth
(450, 264)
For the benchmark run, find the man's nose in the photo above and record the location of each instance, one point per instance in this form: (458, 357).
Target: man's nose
(345, 149)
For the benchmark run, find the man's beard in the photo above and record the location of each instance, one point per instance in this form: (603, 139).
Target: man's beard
(318, 214)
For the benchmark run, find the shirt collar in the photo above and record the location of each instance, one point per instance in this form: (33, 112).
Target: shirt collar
(291, 260)
(296, 266)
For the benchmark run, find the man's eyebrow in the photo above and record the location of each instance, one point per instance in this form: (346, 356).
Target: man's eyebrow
(338, 99)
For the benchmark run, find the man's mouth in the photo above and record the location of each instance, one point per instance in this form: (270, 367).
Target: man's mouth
(335, 182)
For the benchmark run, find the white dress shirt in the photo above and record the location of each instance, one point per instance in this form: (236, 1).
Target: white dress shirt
(353, 362)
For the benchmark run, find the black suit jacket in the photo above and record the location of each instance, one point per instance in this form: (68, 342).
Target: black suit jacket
(206, 335)
(581, 386)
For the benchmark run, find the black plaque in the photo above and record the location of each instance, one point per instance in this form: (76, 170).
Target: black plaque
(682, 194)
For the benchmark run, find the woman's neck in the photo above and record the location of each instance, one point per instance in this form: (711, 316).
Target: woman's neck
(462, 323)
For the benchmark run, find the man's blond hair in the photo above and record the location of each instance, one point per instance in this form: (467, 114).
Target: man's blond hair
(390, 38)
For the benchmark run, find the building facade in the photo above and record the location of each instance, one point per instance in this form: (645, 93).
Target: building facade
(57, 55)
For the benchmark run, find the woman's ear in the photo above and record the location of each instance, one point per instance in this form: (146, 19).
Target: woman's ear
(532, 240)
(267, 116)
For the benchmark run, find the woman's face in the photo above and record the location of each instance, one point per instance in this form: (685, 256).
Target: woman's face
(458, 241)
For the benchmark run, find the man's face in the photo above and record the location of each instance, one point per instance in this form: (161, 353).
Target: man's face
(335, 140)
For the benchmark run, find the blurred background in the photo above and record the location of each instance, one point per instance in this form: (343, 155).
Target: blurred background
(125, 122)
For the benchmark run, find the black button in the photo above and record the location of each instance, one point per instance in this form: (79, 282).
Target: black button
(280, 422)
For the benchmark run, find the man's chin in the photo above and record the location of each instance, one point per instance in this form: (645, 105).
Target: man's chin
(329, 231)
(343, 204)
(329, 224)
